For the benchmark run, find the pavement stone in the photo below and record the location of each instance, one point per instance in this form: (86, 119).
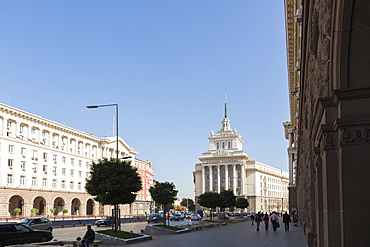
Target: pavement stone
(230, 235)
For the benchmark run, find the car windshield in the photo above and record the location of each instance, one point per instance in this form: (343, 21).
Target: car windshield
(105, 218)
(25, 221)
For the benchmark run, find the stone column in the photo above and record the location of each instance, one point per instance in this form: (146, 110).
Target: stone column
(244, 176)
(203, 179)
(234, 179)
(227, 177)
(211, 178)
(218, 178)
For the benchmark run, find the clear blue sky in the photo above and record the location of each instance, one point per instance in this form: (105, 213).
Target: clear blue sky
(168, 64)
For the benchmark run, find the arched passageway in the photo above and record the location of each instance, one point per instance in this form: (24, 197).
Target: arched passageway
(39, 203)
(90, 207)
(75, 206)
(16, 202)
(58, 205)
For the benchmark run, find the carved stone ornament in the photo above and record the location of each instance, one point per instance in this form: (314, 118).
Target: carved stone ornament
(222, 152)
(355, 135)
(329, 140)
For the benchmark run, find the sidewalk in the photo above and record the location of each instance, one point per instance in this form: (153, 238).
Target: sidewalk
(232, 235)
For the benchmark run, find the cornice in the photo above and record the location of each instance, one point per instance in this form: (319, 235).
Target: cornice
(241, 158)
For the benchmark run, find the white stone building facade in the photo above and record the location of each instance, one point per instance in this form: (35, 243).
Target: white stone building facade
(227, 167)
(44, 165)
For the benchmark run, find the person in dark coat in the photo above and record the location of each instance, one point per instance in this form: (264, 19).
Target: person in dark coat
(286, 221)
(88, 238)
(258, 220)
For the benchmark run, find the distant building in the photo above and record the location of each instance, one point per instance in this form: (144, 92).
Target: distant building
(44, 165)
(227, 167)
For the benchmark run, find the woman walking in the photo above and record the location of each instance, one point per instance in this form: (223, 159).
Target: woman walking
(266, 220)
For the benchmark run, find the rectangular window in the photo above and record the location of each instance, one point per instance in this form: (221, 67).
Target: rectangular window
(44, 182)
(80, 163)
(45, 168)
(11, 149)
(79, 186)
(34, 167)
(54, 169)
(228, 144)
(34, 154)
(22, 180)
(45, 156)
(33, 181)
(54, 158)
(9, 124)
(10, 163)
(63, 160)
(72, 161)
(223, 145)
(218, 145)
(64, 171)
(71, 185)
(23, 165)
(63, 184)
(33, 131)
(80, 173)
(54, 184)
(72, 172)
(10, 179)
(23, 151)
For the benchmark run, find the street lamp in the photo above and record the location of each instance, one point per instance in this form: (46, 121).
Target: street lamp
(115, 206)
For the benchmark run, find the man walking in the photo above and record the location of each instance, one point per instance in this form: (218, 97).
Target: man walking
(258, 220)
(286, 221)
(274, 220)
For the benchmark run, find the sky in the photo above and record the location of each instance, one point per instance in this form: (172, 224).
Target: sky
(168, 64)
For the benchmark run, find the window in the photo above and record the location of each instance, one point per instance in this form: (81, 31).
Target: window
(72, 172)
(71, 185)
(54, 169)
(80, 163)
(87, 165)
(45, 168)
(63, 160)
(34, 181)
(9, 124)
(34, 167)
(54, 183)
(22, 180)
(218, 145)
(72, 161)
(228, 144)
(54, 158)
(33, 131)
(80, 173)
(10, 163)
(44, 182)
(11, 149)
(34, 154)
(63, 184)
(64, 171)
(10, 179)
(79, 186)
(45, 156)
(223, 145)
(23, 165)
(23, 151)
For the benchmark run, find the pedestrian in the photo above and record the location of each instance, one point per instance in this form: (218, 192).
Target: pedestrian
(274, 220)
(266, 220)
(286, 221)
(252, 218)
(258, 220)
(89, 237)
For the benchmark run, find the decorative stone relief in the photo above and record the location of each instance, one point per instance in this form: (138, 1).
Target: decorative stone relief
(349, 136)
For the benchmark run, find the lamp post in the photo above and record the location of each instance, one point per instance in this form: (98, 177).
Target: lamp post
(116, 219)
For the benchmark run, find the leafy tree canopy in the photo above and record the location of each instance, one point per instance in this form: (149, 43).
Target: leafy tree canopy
(210, 199)
(187, 202)
(228, 199)
(113, 181)
(242, 203)
(163, 193)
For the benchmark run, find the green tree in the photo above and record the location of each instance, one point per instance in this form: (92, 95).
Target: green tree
(17, 211)
(113, 182)
(210, 200)
(52, 211)
(242, 203)
(189, 203)
(228, 199)
(164, 194)
(65, 211)
(34, 211)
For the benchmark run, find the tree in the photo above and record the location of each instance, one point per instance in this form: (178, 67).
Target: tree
(242, 203)
(17, 211)
(163, 194)
(228, 199)
(64, 211)
(113, 182)
(210, 200)
(34, 211)
(189, 203)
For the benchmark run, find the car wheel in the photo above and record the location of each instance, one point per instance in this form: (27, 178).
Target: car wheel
(44, 238)
(50, 229)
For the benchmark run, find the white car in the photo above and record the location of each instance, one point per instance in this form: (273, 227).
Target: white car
(195, 217)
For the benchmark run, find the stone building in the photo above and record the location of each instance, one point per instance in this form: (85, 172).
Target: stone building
(329, 128)
(227, 167)
(44, 165)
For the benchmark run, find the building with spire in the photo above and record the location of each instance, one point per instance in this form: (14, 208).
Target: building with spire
(225, 166)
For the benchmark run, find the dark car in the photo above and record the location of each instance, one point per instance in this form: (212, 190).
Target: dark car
(38, 223)
(223, 216)
(11, 234)
(107, 221)
(155, 218)
(176, 217)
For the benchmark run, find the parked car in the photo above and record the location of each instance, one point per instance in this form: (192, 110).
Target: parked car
(107, 221)
(223, 216)
(155, 218)
(187, 215)
(176, 217)
(38, 223)
(195, 217)
(11, 234)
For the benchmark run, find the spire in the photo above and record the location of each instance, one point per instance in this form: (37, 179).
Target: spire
(225, 105)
